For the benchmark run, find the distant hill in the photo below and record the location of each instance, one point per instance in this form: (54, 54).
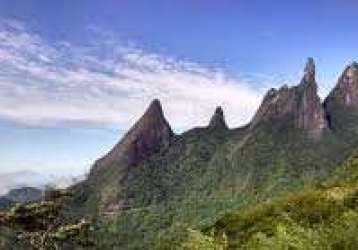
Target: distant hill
(19, 179)
(20, 195)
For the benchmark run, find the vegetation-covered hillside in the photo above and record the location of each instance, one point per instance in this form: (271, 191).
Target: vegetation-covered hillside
(154, 184)
(323, 216)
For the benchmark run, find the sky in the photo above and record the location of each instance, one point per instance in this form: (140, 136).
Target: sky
(75, 75)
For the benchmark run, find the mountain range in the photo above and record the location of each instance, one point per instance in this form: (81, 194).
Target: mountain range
(154, 181)
(286, 180)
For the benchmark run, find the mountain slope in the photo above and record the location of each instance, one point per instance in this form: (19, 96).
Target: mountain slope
(153, 181)
(108, 180)
(318, 217)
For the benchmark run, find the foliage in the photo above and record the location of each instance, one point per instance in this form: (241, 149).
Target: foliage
(41, 224)
(319, 217)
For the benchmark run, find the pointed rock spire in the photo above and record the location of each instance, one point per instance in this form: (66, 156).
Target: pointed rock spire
(154, 110)
(311, 115)
(150, 134)
(218, 119)
(309, 71)
(301, 103)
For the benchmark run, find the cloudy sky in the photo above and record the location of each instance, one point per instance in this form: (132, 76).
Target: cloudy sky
(75, 75)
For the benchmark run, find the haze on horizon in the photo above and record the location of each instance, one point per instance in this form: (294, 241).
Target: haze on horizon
(75, 76)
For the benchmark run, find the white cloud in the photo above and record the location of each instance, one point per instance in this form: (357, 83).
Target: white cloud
(18, 179)
(110, 85)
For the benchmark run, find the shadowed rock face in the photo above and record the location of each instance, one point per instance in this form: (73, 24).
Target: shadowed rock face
(276, 104)
(150, 134)
(218, 119)
(311, 115)
(346, 91)
(301, 103)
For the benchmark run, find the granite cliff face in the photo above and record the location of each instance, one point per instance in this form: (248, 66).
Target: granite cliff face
(150, 134)
(299, 105)
(311, 115)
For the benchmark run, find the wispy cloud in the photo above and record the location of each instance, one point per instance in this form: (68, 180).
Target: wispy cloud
(107, 84)
(19, 179)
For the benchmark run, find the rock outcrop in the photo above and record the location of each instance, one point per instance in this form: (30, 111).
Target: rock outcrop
(341, 105)
(218, 119)
(300, 104)
(346, 91)
(149, 135)
(311, 115)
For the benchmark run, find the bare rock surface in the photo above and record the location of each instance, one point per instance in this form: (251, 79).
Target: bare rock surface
(346, 91)
(150, 134)
(300, 102)
(218, 119)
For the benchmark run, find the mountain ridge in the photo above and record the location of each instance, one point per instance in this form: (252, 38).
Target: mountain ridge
(194, 177)
(301, 102)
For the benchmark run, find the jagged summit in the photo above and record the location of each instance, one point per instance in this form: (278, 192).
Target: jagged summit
(311, 114)
(346, 91)
(150, 134)
(218, 119)
(300, 103)
(309, 71)
(272, 155)
(154, 109)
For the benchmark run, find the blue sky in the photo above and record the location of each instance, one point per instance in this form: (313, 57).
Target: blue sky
(74, 75)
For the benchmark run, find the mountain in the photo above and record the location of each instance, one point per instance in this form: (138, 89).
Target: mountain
(21, 195)
(218, 119)
(24, 194)
(155, 183)
(5, 202)
(300, 105)
(148, 136)
(346, 91)
(341, 105)
(111, 175)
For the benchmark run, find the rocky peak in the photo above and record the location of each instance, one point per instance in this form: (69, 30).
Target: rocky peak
(154, 111)
(301, 103)
(218, 119)
(275, 104)
(311, 115)
(346, 91)
(150, 134)
(309, 71)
